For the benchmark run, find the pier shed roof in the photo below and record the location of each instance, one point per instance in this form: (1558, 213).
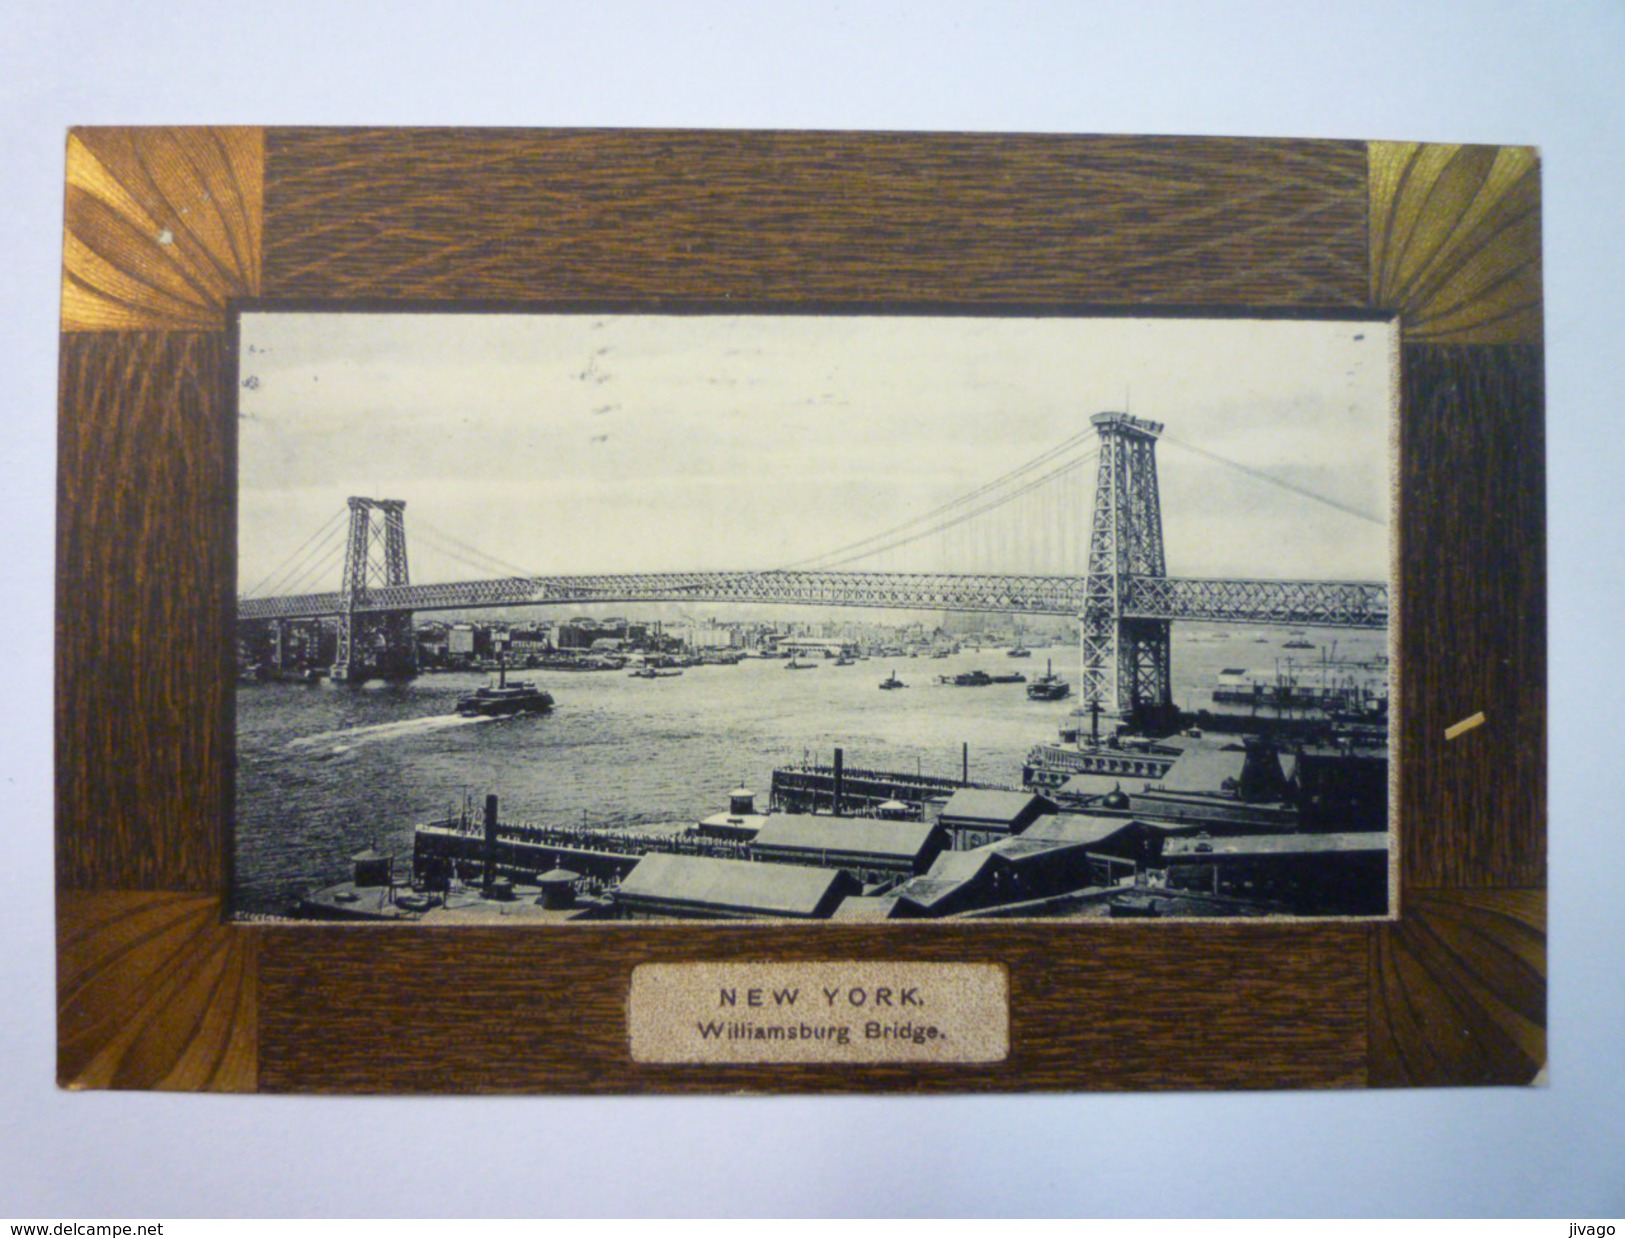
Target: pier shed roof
(1010, 810)
(1009, 870)
(1077, 827)
(960, 865)
(699, 885)
(943, 886)
(925, 894)
(1204, 770)
(865, 908)
(1095, 786)
(865, 836)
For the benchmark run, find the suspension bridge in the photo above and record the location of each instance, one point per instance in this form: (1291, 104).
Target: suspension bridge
(1124, 599)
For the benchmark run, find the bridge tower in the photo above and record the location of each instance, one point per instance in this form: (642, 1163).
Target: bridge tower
(374, 643)
(1126, 660)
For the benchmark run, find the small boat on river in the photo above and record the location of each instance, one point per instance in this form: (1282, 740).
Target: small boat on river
(1049, 686)
(979, 679)
(503, 698)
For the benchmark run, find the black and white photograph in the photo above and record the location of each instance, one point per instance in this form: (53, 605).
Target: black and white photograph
(577, 617)
(536, 529)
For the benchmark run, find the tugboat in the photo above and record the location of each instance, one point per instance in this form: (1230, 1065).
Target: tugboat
(891, 681)
(1049, 686)
(520, 697)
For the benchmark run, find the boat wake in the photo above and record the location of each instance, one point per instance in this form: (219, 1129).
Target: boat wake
(385, 731)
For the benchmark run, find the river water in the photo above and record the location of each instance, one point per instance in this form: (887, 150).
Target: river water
(326, 771)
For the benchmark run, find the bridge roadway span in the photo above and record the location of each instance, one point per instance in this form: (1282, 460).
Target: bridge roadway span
(1345, 604)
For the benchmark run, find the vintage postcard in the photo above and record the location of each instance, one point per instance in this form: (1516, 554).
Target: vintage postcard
(922, 612)
(572, 617)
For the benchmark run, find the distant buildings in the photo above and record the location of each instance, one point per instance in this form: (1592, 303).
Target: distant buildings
(462, 644)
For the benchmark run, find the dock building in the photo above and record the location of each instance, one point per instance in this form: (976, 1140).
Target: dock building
(698, 887)
(1309, 873)
(973, 817)
(1343, 787)
(739, 824)
(878, 853)
(1063, 856)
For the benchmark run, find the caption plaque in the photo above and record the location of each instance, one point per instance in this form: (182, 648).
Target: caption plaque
(819, 1012)
(186, 247)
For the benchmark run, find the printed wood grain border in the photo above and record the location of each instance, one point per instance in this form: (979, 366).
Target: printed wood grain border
(167, 230)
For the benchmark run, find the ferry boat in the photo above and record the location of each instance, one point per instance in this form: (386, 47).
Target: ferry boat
(1049, 686)
(504, 698)
(1049, 766)
(655, 672)
(796, 664)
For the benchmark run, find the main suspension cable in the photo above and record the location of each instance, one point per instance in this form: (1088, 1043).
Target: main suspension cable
(1062, 471)
(1261, 475)
(952, 505)
(288, 565)
(469, 556)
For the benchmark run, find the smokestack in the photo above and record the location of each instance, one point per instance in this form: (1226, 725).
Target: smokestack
(490, 851)
(840, 781)
(964, 763)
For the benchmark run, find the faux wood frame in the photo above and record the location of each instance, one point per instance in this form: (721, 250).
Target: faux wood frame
(167, 228)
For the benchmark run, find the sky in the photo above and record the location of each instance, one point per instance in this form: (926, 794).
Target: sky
(562, 443)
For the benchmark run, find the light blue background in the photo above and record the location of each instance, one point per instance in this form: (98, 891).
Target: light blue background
(1503, 73)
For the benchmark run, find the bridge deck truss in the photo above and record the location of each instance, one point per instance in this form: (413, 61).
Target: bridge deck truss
(1301, 603)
